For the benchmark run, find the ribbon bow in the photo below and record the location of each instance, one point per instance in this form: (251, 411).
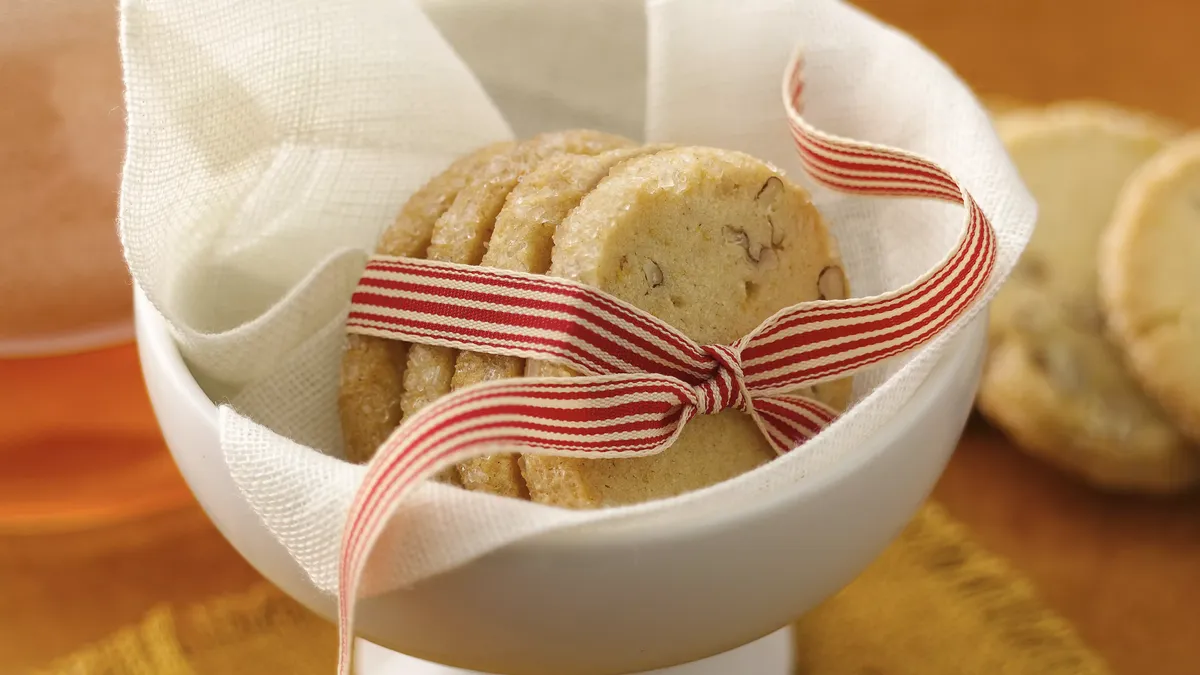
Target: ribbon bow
(649, 378)
(644, 380)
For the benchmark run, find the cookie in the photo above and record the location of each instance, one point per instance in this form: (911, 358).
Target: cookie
(521, 241)
(372, 368)
(1052, 380)
(713, 242)
(460, 235)
(1150, 281)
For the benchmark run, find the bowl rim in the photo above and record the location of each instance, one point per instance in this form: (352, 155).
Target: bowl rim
(639, 527)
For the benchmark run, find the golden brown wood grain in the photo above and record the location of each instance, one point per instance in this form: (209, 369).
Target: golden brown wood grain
(1140, 53)
(1125, 570)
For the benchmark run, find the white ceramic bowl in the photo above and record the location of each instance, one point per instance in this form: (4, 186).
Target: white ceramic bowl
(612, 599)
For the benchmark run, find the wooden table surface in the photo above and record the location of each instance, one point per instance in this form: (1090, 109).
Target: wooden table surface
(1133, 53)
(1123, 569)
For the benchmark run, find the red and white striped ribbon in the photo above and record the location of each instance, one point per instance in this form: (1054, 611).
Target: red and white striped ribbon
(644, 380)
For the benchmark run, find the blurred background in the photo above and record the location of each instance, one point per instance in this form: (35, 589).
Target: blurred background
(96, 527)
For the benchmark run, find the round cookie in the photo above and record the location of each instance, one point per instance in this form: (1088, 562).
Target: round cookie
(521, 241)
(1150, 279)
(1052, 381)
(373, 368)
(460, 235)
(713, 242)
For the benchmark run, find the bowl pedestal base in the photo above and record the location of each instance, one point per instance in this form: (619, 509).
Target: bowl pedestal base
(771, 655)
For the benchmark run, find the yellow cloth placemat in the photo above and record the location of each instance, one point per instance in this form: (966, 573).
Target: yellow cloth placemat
(934, 603)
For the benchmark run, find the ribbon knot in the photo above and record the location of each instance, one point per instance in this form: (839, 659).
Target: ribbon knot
(726, 387)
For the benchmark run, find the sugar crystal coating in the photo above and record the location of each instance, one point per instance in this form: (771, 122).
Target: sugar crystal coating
(373, 368)
(521, 241)
(461, 235)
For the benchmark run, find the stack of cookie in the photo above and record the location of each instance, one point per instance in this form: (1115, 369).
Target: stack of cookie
(1094, 362)
(711, 241)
